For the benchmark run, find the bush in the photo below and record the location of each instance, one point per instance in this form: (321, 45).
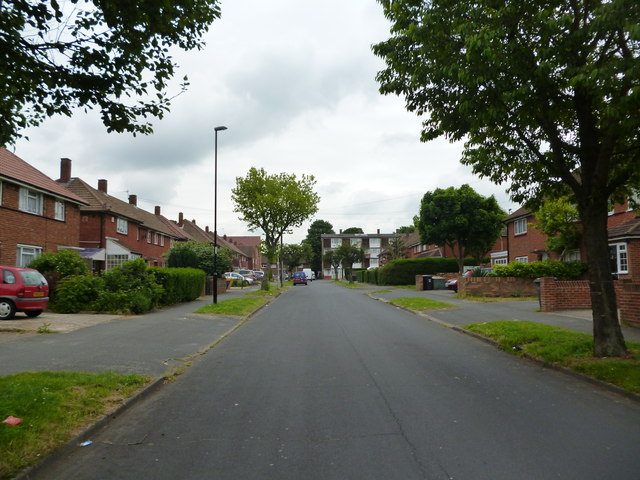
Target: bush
(403, 271)
(56, 266)
(77, 293)
(546, 268)
(179, 284)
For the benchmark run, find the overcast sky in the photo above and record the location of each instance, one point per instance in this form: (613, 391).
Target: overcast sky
(294, 82)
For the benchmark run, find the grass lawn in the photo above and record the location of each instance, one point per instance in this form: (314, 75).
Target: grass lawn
(564, 347)
(472, 298)
(420, 303)
(234, 306)
(53, 407)
(349, 285)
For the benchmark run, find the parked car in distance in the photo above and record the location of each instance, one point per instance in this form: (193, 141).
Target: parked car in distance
(299, 278)
(238, 278)
(310, 274)
(453, 283)
(22, 290)
(259, 274)
(246, 273)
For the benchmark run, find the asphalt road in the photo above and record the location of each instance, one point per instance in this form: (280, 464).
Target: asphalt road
(326, 383)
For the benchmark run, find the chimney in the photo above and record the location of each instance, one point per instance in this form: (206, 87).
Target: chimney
(224, 236)
(206, 229)
(378, 231)
(180, 219)
(133, 200)
(65, 170)
(194, 221)
(157, 210)
(340, 231)
(102, 185)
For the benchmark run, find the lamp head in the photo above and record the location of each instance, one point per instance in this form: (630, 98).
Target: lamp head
(218, 129)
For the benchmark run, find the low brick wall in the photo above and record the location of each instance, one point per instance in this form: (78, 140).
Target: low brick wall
(497, 286)
(575, 294)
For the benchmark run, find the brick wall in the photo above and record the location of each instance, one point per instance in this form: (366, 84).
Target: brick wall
(575, 294)
(497, 286)
(20, 228)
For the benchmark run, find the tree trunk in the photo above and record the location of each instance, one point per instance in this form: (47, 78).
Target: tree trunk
(607, 334)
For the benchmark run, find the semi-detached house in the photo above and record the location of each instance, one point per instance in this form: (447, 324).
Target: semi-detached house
(116, 231)
(37, 215)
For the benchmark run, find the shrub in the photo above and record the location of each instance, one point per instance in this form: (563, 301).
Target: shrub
(179, 284)
(56, 266)
(546, 268)
(76, 293)
(403, 271)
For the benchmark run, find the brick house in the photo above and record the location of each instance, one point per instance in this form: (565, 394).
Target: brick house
(525, 243)
(373, 244)
(117, 231)
(37, 214)
(249, 245)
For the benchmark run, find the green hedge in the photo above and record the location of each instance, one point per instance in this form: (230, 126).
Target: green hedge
(130, 288)
(546, 268)
(179, 284)
(403, 271)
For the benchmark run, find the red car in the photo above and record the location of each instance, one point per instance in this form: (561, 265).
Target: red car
(22, 290)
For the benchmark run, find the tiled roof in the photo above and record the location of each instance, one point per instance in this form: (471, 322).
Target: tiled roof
(102, 202)
(199, 235)
(630, 228)
(14, 168)
(521, 212)
(249, 240)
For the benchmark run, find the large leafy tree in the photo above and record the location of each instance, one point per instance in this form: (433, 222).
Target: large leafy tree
(293, 255)
(333, 259)
(57, 56)
(274, 204)
(352, 230)
(558, 220)
(546, 95)
(395, 249)
(462, 219)
(314, 240)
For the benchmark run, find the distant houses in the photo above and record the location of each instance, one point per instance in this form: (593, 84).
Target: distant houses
(38, 214)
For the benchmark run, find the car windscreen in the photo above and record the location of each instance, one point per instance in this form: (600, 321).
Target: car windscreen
(32, 278)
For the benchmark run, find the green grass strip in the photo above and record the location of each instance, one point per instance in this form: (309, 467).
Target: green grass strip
(349, 285)
(420, 303)
(564, 347)
(234, 306)
(53, 407)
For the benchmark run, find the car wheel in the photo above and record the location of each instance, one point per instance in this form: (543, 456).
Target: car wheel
(7, 310)
(33, 313)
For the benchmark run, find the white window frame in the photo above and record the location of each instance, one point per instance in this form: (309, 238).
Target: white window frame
(155, 238)
(500, 261)
(31, 201)
(356, 242)
(30, 252)
(522, 259)
(122, 226)
(520, 226)
(336, 242)
(59, 210)
(116, 260)
(375, 243)
(572, 255)
(621, 257)
(374, 263)
(162, 240)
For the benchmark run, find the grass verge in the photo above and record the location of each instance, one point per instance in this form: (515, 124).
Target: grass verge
(234, 306)
(420, 303)
(53, 407)
(559, 346)
(349, 285)
(472, 298)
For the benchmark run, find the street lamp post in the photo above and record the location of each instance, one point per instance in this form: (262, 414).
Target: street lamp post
(215, 217)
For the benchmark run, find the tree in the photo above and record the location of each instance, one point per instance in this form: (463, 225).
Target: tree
(558, 220)
(333, 259)
(349, 254)
(61, 55)
(406, 229)
(294, 255)
(314, 240)
(274, 204)
(395, 249)
(199, 255)
(460, 218)
(546, 95)
(352, 230)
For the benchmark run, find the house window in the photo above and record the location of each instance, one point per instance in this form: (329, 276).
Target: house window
(373, 263)
(122, 226)
(30, 201)
(116, 260)
(522, 259)
(374, 243)
(618, 258)
(171, 243)
(59, 210)
(520, 226)
(356, 242)
(155, 238)
(26, 254)
(162, 240)
(500, 261)
(336, 242)
(148, 236)
(572, 256)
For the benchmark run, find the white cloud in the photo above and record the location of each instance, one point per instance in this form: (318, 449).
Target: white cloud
(295, 83)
